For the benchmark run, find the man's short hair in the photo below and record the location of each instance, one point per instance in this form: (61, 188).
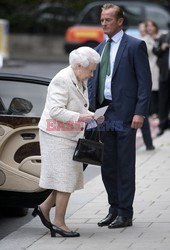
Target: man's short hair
(119, 11)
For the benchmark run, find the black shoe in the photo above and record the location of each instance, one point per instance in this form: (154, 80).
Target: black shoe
(57, 230)
(37, 211)
(121, 221)
(107, 220)
(150, 147)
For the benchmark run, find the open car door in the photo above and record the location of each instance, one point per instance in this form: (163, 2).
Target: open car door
(21, 104)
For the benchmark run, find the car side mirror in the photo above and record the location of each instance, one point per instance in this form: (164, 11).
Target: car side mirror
(19, 106)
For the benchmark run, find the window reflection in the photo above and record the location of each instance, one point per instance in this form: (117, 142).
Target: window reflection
(34, 93)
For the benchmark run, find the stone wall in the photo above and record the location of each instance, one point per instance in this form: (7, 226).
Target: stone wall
(37, 47)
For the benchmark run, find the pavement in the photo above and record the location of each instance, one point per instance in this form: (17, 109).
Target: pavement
(151, 225)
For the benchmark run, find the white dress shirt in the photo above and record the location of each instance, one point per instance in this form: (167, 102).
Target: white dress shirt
(116, 39)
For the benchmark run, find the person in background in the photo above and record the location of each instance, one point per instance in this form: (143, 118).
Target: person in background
(146, 131)
(122, 81)
(61, 125)
(142, 30)
(162, 51)
(146, 134)
(152, 33)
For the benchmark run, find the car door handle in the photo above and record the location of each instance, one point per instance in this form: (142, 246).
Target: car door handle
(28, 136)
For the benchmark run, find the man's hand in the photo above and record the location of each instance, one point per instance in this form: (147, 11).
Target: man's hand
(137, 121)
(100, 119)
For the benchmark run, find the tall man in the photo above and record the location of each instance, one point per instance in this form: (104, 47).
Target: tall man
(126, 89)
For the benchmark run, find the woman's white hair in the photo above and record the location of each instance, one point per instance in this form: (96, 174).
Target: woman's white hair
(83, 56)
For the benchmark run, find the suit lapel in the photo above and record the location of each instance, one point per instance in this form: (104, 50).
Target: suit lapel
(80, 92)
(99, 49)
(119, 53)
(75, 82)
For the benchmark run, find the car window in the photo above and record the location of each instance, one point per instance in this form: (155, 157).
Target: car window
(46, 13)
(160, 16)
(132, 13)
(34, 93)
(48, 10)
(53, 10)
(92, 17)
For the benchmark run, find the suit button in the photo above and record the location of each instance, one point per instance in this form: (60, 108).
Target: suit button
(85, 105)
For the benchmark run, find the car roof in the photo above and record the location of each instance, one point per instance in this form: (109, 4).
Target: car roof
(125, 3)
(46, 5)
(25, 78)
(96, 3)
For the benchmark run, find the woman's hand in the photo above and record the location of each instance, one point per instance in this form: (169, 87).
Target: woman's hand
(87, 118)
(164, 46)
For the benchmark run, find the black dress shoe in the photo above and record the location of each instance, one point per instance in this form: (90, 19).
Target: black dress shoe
(150, 147)
(57, 230)
(121, 221)
(45, 222)
(107, 220)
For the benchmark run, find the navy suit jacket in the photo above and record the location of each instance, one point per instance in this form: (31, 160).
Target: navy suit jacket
(131, 81)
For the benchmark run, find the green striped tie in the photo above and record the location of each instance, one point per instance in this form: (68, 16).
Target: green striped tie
(104, 70)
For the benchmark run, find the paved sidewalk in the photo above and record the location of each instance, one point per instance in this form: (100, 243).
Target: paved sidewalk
(151, 228)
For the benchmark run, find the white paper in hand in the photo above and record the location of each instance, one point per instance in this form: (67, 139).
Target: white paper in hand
(99, 112)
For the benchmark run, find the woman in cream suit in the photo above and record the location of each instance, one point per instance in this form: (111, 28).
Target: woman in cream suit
(61, 124)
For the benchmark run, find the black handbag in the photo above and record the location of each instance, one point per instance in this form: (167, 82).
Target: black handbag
(89, 151)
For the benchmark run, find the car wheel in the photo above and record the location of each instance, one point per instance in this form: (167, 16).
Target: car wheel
(20, 211)
(14, 211)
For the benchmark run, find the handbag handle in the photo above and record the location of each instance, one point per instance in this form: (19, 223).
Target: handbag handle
(92, 134)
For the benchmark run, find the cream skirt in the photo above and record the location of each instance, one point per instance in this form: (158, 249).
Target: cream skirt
(58, 170)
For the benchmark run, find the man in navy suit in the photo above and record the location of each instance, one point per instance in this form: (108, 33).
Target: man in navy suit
(127, 91)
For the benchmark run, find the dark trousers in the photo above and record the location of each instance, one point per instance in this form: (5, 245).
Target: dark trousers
(118, 170)
(146, 133)
(164, 103)
(154, 104)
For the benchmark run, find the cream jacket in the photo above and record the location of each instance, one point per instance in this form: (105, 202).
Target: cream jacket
(65, 101)
(152, 62)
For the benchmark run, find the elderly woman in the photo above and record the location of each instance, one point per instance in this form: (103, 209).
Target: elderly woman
(62, 123)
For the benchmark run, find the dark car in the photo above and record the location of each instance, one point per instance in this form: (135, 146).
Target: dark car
(22, 99)
(88, 31)
(52, 18)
